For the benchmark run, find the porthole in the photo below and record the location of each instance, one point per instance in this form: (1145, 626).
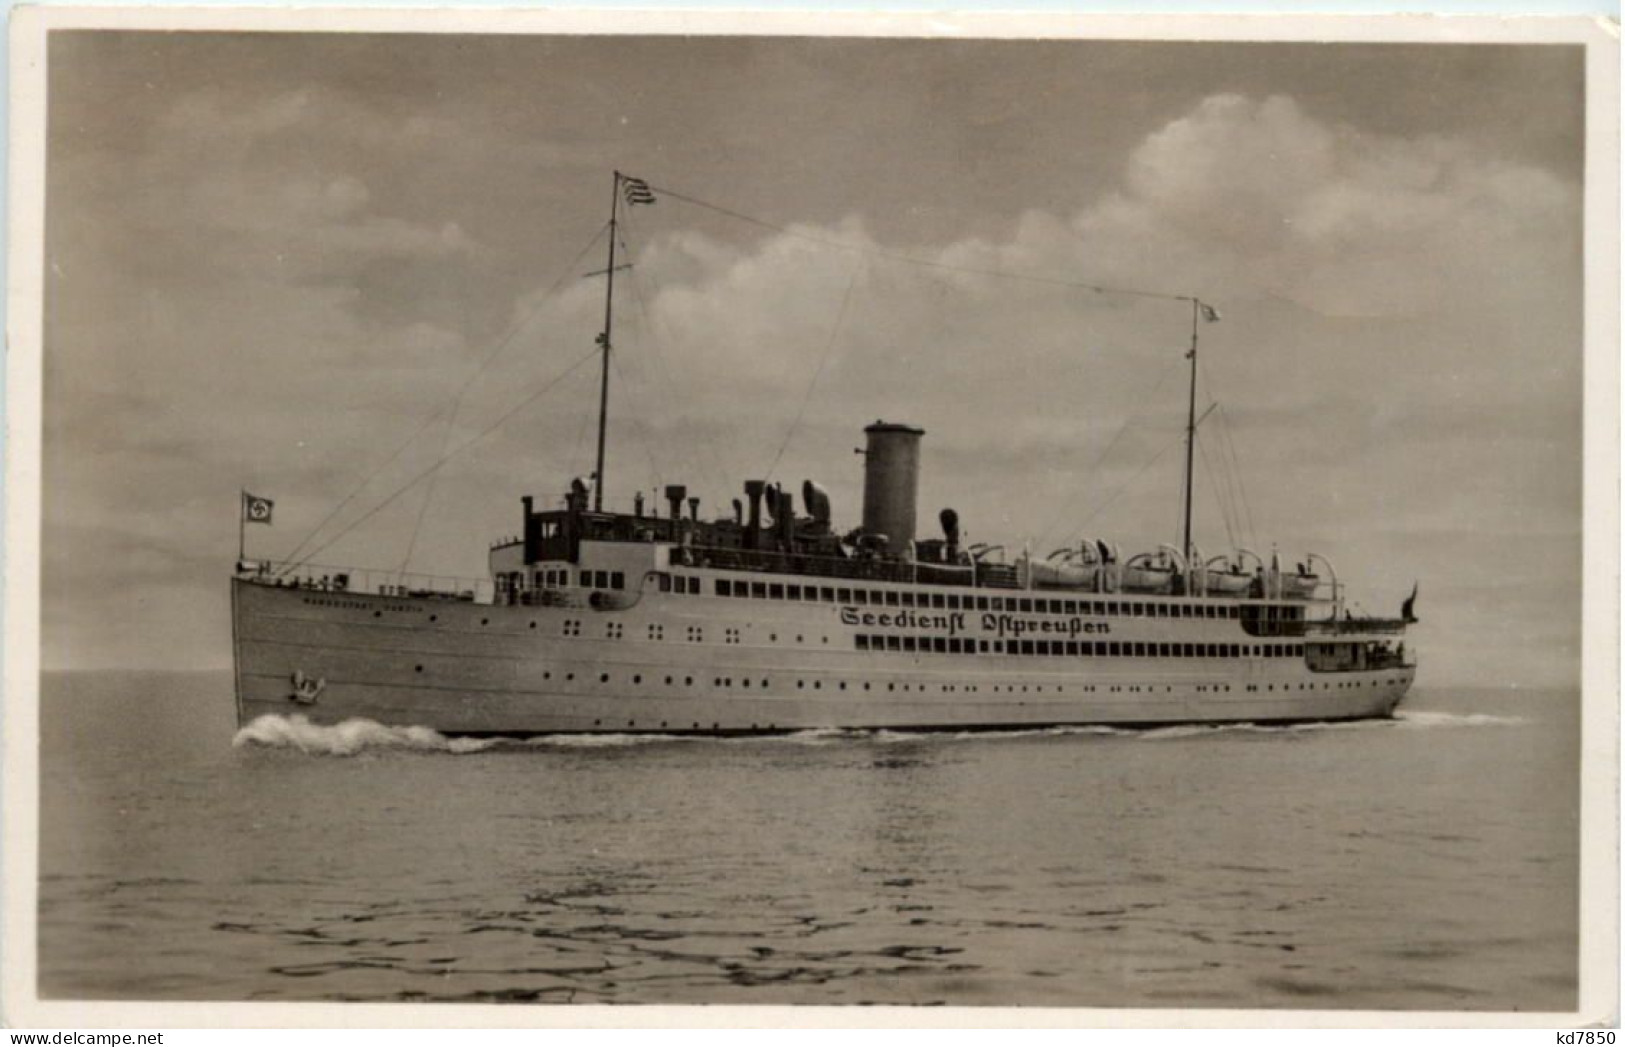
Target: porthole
(485, 621)
(843, 685)
(773, 637)
(631, 723)
(547, 676)
(378, 614)
(533, 625)
(597, 723)
(434, 617)
(800, 684)
(668, 681)
(639, 679)
(603, 678)
(662, 723)
(764, 683)
(688, 681)
(569, 676)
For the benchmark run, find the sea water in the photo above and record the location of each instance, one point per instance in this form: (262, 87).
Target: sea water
(1429, 862)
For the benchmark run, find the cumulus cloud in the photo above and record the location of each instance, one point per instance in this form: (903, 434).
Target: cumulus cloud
(1254, 196)
(1365, 281)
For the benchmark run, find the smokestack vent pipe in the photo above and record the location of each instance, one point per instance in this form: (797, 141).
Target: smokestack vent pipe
(753, 526)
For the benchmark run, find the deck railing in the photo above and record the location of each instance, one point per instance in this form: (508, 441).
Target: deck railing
(372, 581)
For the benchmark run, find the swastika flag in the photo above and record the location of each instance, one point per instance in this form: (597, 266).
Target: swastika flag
(256, 509)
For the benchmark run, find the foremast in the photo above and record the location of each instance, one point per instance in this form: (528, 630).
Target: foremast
(634, 191)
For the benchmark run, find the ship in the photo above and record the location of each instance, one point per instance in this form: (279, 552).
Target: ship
(770, 618)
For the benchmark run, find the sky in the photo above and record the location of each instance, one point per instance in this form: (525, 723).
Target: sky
(275, 260)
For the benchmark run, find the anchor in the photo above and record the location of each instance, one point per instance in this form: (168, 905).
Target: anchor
(305, 689)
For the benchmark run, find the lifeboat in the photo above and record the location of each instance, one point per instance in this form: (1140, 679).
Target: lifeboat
(1150, 573)
(1225, 577)
(1068, 568)
(1299, 586)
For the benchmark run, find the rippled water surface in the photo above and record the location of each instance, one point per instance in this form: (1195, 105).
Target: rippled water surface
(1424, 863)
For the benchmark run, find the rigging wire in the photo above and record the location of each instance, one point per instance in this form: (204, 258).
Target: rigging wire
(1225, 509)
(581, 437)
(1226, 430)
(638, 426)
(459, 449)
(844, 245)
(502, 343)
(943, 266)
(806, 397)
(1122, 430)
(651, 325)
(1130, 481)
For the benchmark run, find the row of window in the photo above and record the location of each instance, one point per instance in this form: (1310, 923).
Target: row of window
(557, 578)
(690, 585)
(951, 688)
(958, 602)
(1074, 648)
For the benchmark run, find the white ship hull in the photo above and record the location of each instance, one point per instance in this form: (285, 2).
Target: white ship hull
(686, 663)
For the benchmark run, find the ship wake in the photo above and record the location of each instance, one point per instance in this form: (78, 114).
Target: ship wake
(357, 736)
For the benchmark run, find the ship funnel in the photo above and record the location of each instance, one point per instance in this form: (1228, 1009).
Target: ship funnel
(891, 478)
(753, 527)
(739, 512)
(950, 530)
(694, 509)
(675, 493)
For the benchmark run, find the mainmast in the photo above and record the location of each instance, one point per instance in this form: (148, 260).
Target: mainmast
(1190, 436)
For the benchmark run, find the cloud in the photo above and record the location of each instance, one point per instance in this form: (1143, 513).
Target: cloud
(1256, 197)
(1399, 354)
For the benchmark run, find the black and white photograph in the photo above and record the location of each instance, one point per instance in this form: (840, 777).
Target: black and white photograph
(547, 513)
